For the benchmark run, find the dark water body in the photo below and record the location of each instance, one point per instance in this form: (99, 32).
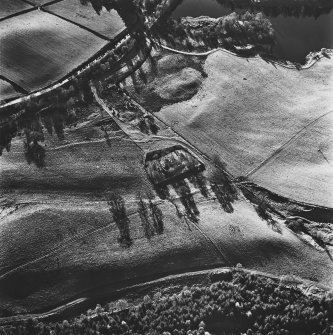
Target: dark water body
(295, 36)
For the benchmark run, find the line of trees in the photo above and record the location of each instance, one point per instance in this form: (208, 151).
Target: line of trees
(230, 31)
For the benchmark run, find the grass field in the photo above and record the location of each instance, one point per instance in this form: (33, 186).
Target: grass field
(97, 259)
(83, 163)
(10, 7)
(7, 91)
(107, 23)
(38, 48)
(303, 158)
(87, 166)
(55, 202)
(60, 242)
(40, 2)
(247, 109)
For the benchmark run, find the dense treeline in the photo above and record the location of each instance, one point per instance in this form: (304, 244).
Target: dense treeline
(231, 31)
(239, 303)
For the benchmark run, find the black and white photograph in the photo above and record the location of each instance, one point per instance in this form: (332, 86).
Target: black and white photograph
(166, 167)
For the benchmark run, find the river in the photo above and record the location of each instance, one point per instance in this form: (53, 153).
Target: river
(295, 36)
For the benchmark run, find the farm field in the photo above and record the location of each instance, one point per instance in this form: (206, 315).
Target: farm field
(310, 156)
(247, 109)
(127, 184)
(38, 48)
(40, 2)
(7, 91)
(107, 23)
(87, 166)
(83, 163)
(67, 197)
(86, 262)
(10, 7)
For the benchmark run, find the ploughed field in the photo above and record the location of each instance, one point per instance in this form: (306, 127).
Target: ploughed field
(10, 7)
(7, 91)
(108, 24)
(39, 48)
(268, 123)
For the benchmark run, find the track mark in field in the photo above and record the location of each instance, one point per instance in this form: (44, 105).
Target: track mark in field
(328, 162)
(69, 145)
(210, 241)
(284, 145)
(76, 238)
(90, 232)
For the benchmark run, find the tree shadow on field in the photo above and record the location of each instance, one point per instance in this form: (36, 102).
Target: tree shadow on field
(117, 208)
(222, 185)
(184, 192)
(263, 212)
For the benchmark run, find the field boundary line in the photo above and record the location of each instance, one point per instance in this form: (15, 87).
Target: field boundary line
(18, 13)
(77, 24)
(17, 87)
(40, 6)
(285, 144)
(51, 3)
